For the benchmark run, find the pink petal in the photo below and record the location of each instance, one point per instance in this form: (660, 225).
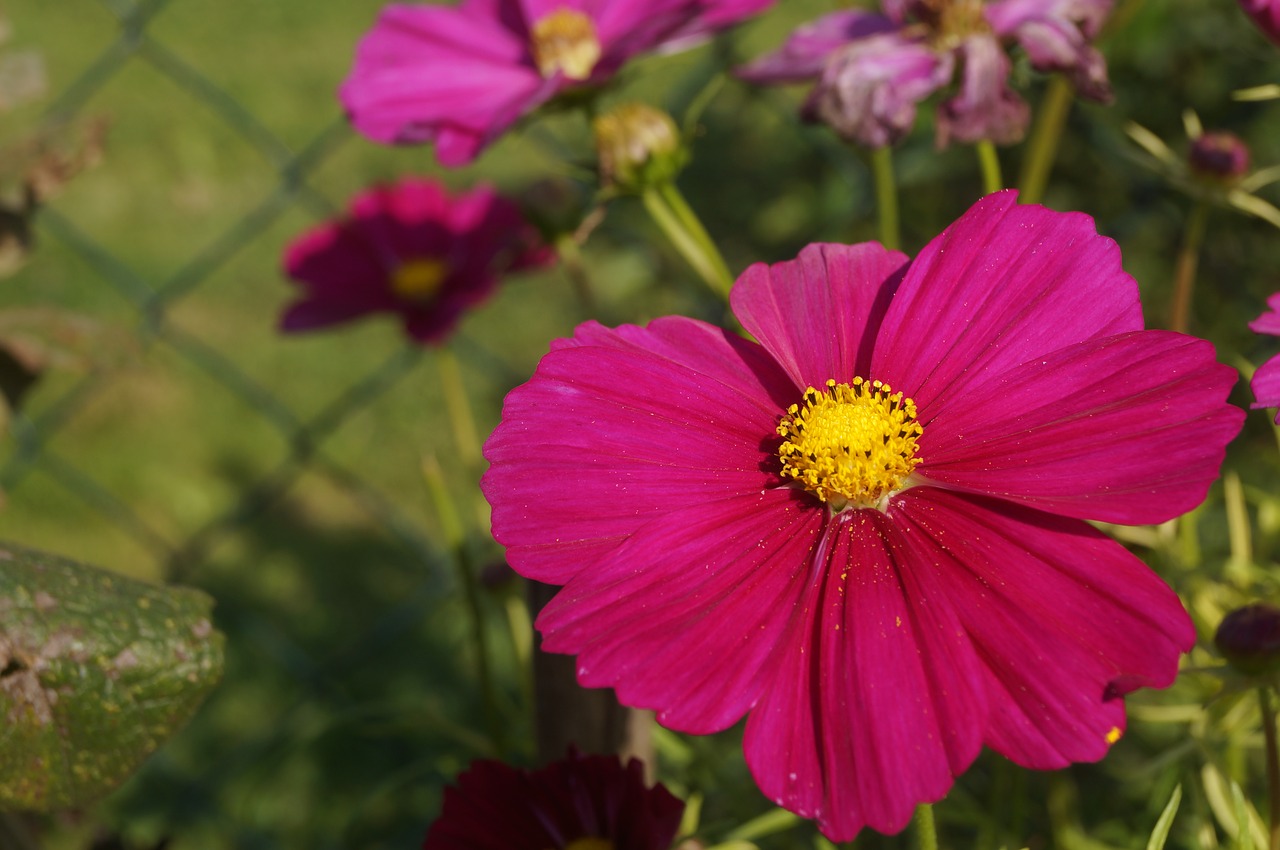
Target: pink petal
(805, 52)
(1268, 322)
(626, 434)
(310, 314)
(1066, 620)
(878, 702)
(1130, 429)
(685, 615)
(1266, 385)
(818, 314)
(1003, 285)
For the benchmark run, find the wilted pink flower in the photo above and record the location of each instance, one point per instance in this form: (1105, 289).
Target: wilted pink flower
(871, 70)
(1266, 14)
(459, 76)
(1266, 381)
(579, 803)
(867, 531)
(409, 249)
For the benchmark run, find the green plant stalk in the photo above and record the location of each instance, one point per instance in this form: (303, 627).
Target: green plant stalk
(455, 539)
(926, 831)
(465, 437)
(989, 160)
(1042, 147)
(1184, 276)
(575, 270)
(886, 197)
(683, 241)
(675, 200)
(1273, 764)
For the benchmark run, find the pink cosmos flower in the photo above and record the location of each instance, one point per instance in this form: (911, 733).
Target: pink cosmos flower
(1266, 14)
(1266, 381)
(870, 71)
(410, 249)
(867, 531)
(579, 803)
(459, 76)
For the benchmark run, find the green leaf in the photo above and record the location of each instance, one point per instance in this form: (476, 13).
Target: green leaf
(96, 670)
(1161, 833)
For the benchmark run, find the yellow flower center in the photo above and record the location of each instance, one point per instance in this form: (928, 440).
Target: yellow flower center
(851, 445)
(420, 279)
(590, 843)
(565, 41)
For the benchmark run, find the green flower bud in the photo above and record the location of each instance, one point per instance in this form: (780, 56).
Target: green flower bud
(639, 147)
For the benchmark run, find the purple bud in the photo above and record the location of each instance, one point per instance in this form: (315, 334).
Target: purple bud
(1218, 156)
(1249, 638)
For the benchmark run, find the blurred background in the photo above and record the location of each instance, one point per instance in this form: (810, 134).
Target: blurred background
(168, 431)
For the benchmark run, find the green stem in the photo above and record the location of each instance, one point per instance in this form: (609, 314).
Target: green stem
(1273, 762)
(465, 436)
(576, 270)
(992, 180)
(886, 197)
(1042, 147)
(455, 538)
(694, 251)
(671, 194)
(1184, 277)
(925, 829)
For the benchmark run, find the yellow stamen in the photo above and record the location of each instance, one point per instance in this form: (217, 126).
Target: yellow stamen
(1113, 735)
(565, 41)
(851, 445)
(420, 279)
(590, 843)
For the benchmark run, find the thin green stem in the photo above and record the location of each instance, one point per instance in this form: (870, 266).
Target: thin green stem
(465, 437)
(576, 270)
(992, 180)
(1184, 276)
(686, 243)
(455, 538)
(1273, 762)
(1042, 147)
(926, 831)
(886, 197)
(672, 195)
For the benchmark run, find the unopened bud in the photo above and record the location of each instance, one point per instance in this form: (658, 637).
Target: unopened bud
(638, 146)
(1218, 156)
(1249, 638)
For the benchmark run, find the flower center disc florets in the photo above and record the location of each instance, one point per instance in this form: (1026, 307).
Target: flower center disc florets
(420, 279)
(565, 41)
(851, 445)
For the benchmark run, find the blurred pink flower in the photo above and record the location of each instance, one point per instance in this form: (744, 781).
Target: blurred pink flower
(578, 803)
(883, 580)
(459, 76)
(870, 71)
(1266, 14)
(1266, 381)
(410, 249)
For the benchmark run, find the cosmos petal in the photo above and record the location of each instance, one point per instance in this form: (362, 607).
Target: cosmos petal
(1003, 285)
(628, 434)
(1113, 429)
(1268, 322)
(1266, 385)
(1065, 619)
(656, 618)
(878, 702)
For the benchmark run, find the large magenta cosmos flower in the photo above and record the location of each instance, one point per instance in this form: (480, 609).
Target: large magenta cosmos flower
(871, 70)
(578, 803)
(412, 249)
(867, 530)
(1266, 381)
(459, 76)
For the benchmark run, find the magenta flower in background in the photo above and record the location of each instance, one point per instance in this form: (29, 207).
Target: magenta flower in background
(1266, 14)
(411, 249)
(1266, 381)
(578, 803)
(870, 71)
(459, 76)
(867, 532)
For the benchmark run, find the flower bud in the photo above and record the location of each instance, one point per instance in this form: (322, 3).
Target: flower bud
(1249, 638)
(638, 146)
(1218, 156)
